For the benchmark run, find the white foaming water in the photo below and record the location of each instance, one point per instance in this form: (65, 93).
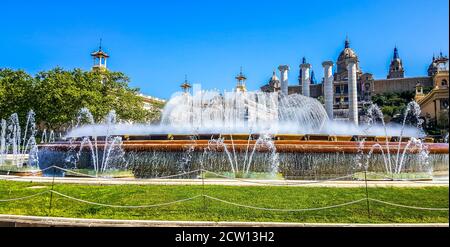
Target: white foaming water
(329, 128)
(207, 112)
(241, 110)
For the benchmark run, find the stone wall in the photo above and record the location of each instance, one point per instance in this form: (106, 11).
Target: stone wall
(315, 90)
(399, 85)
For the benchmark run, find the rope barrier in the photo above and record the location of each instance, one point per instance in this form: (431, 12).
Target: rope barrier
(125, 206)
(281, 181)
(406, 206)
(177, 175)
(121, 179)
(25, 197)
(223, 201)
(48, 168)
(286, 210)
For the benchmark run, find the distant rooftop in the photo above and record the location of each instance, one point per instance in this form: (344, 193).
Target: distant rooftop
(152, 98)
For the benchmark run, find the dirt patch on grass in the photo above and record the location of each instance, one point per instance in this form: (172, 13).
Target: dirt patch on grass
(37, 187)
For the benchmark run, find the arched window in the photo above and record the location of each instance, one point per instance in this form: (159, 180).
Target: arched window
(444, 83)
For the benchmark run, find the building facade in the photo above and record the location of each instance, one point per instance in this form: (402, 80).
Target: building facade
(435, 104)
(340, 91)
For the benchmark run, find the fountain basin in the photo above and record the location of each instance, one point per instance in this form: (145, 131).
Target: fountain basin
(293, 156)
(282, 146)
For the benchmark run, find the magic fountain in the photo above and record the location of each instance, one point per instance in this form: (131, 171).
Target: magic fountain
(248, 134)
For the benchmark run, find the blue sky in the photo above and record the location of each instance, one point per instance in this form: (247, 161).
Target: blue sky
(157, 42)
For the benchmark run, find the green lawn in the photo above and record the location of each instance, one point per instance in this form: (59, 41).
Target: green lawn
(207, 209)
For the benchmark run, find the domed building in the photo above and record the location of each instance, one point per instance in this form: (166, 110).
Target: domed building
(368, 86)
(274, 84)
(341, 68)
(435, 104)
(341, 101)
(438, 64)
(396, 67)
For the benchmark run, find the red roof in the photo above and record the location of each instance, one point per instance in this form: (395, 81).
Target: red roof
(99, 53)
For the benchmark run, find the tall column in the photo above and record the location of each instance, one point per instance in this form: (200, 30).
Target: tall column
(284, 69)
(328, 87)
(306, 80)
(352, 91)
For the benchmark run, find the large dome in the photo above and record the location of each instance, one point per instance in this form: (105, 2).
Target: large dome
(347, 53)
(341, 73)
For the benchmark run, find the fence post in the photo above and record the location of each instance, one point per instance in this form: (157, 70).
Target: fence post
(51, 192)
(367, 193)
(202, 174)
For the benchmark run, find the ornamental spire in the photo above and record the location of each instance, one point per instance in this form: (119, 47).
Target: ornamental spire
(185, 86)
(347, 42)
(396, 56)
(241, 81)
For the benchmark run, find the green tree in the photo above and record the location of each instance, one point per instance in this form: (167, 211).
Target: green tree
(393, 105)
(16, 93)
(57, 95)
(443, 121)
(57, 98)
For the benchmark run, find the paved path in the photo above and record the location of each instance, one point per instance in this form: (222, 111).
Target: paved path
(27, 221)
(230, 182)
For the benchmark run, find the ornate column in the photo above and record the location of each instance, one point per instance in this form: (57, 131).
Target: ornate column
(306, 80)
(352, 90)
(284, 69)
(328, 87)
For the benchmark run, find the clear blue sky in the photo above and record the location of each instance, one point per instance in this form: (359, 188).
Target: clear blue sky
(157, 42)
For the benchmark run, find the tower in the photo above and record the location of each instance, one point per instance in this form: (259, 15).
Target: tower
(438, 64)
(284, 69)
(185, 86)
(419, 91)
(305, 77)
(328, 87)
(396, 67)
(240, 86)
(275, 82)
(440, 75)
(352, 90)
(300, 71)
(100, 58)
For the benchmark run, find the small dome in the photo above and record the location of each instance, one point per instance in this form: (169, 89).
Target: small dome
(274, 77)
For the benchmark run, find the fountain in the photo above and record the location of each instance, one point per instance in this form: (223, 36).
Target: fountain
(18, 152)
(246, 134)
(92, 152)
(412, 153)
(47, 139)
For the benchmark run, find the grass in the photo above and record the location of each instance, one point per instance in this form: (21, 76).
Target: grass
(206, 209)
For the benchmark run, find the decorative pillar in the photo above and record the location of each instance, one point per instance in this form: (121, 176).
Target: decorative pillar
(352, 90)
(306, 79)
(284, 69)
(328, 87)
